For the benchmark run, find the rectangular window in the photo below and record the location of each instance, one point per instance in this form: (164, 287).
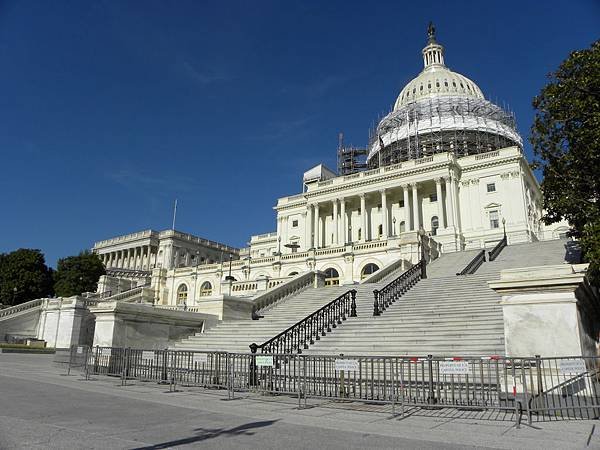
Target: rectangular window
(401, 204)
(494, 221)
(294, 223)
(433, 197)
(491, 187)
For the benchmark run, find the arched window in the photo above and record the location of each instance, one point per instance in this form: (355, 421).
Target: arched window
(435, 224)
(332, 277)
(205, 289)
(402, 226)
(182, 293)
(368, 270)
(359, 234)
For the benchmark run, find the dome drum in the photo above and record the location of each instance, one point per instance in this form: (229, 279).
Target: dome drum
(461, 125)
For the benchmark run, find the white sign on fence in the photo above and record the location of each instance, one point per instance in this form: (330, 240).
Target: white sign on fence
(264, 361)
(454, 368)
(350, 365)
(147, 355)
(200, 358)
(572, 366)
(79, 350)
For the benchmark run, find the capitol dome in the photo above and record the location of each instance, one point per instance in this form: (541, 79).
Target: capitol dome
(439, 111)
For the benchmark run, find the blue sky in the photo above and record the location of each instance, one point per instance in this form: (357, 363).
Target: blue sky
(111, 110)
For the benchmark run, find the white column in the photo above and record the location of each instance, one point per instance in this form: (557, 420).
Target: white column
(440, 203)
(449, 205)
(284, 230)
(363, 212)
(407, 224)
(343, 221)
(336, 224)
(279, 227)
(384, 215)
(317, 242)
(308, 227)
(454, 186)
(415, 199)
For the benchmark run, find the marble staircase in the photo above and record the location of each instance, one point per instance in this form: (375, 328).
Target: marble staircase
(444, 314)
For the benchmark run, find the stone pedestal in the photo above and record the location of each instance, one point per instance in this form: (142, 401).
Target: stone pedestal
(548, 311)
(65, 322)
(143, 326)
(225, 307)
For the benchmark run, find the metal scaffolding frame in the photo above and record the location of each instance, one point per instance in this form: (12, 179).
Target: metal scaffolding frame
(350, 159)
(461, 125)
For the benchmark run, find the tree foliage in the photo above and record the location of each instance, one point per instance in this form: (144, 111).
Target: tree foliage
(566, 142)
(24, 276)
(77, 274)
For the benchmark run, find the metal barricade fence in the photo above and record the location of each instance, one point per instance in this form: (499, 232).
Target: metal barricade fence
(78, 358)
(541, 388)
(198, 368)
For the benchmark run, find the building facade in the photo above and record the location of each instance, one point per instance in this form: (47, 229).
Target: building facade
(444, 169)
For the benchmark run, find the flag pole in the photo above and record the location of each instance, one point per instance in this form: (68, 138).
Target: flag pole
(174, 214)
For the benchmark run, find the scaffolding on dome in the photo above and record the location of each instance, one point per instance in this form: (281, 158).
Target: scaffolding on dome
(464, 126)
(350, 159)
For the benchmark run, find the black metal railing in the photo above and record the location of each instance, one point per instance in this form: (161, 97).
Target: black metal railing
(493, 253)
(474, 264)
(391, 292)
(304, 333)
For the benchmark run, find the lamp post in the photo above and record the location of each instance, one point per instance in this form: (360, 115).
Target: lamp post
(504, 227)
(350, 234)
(229, 277)
(423, 260)
(394, 225)
(14, 295)
(278, 246)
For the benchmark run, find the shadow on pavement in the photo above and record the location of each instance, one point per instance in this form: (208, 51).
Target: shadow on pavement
(204, 434)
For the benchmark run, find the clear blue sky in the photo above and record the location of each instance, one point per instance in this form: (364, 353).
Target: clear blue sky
(111, 110)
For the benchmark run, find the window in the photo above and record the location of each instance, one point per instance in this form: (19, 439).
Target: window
(182, 292)
(368, 270)
(433, 197)
(402, 226)
(359, 234)
(205, 289)
(380, 230)
(291, 274)
(401, 204)
(332, 277)
(491, 187)
(294, 223)
(435, 224)
(494, 221)
(295, 246)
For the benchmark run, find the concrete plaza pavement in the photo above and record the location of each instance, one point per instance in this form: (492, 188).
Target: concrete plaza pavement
(41, 407)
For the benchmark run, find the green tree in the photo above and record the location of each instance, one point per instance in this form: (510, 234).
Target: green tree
(77, 274)
(24, 276)
(566, 141)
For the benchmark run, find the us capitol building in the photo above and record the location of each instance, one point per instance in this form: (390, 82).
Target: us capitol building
(443, 172)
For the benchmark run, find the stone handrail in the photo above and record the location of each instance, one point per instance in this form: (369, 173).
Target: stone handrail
(180, 308)
(126, 294)
(295, 285)
(21, 307)
(382, 273)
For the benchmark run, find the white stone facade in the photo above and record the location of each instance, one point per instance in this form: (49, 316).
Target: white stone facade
(446, 168)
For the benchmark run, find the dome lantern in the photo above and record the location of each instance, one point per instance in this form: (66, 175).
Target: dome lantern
(433, 53)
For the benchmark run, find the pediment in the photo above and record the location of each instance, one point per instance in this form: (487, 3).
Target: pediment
(492, 205)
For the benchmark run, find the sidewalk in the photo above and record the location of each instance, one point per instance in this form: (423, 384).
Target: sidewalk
(43, 408)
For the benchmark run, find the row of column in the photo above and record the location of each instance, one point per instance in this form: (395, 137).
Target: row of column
(136, 258)
(341, 232)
